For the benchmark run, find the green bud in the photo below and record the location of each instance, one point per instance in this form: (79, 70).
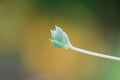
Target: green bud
(60, 38)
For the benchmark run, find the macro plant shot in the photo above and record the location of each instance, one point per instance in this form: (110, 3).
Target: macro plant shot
(59, 40)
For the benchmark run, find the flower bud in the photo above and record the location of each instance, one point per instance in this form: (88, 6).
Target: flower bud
(60, 38)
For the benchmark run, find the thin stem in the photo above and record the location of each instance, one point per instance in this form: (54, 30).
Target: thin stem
(94, 53)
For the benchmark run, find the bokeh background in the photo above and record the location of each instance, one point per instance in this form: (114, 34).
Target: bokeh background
(27, 54)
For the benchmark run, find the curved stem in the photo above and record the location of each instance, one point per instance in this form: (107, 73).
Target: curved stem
(94, 53)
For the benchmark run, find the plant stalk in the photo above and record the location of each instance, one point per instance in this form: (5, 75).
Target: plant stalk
(95, 54)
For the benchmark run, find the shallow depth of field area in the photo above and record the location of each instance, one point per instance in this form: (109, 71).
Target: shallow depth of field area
(26, 52)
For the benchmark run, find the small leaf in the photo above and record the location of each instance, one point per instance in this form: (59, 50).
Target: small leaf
(61, 35)
(53, 34)
(57, 44)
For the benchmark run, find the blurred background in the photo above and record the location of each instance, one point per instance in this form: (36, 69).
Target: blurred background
(27, 54)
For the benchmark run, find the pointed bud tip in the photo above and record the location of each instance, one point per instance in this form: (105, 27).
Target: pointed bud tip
(56, 27)
(51, 30)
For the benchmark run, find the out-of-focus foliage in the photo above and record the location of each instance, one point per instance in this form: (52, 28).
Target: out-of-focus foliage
(26, 52)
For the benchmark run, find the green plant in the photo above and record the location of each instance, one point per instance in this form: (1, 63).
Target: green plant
(61, 40)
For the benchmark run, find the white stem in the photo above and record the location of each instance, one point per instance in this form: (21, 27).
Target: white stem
(94, 53)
